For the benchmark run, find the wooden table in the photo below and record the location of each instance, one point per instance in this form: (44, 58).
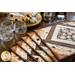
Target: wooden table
(4, 46)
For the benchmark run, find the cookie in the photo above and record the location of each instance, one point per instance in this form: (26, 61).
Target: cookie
(64, 34)
(69, 37)
(72, 31)
(64, 31)
(63, 37)
(69, 33)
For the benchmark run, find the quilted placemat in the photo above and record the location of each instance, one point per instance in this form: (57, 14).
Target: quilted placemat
(50, 39)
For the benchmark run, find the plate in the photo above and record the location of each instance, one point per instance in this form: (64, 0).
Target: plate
(39, 17)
